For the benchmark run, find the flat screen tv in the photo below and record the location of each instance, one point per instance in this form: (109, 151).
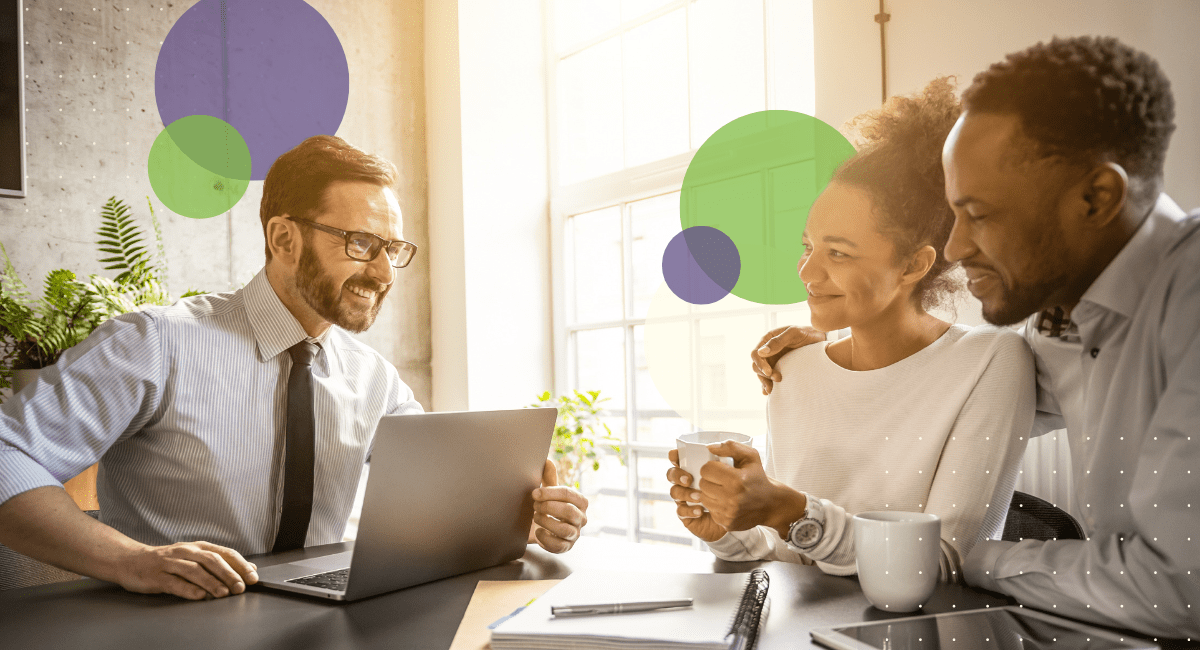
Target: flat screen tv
(12, 100)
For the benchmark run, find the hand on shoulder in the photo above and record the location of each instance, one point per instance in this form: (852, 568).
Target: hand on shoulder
(773, 345)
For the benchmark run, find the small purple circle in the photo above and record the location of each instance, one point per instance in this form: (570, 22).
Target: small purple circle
(273, 69)
(701, 265)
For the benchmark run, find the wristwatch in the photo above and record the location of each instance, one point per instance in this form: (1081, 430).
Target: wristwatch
(806, 532)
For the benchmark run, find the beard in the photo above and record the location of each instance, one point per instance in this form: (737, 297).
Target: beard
(1018, 301)
(1043, 277)
(324, 295)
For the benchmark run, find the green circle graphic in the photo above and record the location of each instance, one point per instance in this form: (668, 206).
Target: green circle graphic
(199, 166)
(755, 180)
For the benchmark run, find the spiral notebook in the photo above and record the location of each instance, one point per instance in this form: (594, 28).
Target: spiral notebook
(728, 611)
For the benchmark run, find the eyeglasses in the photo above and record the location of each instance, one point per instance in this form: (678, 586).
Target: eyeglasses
(365, 247)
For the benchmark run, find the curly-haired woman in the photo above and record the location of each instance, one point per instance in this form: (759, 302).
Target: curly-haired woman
(907, 413)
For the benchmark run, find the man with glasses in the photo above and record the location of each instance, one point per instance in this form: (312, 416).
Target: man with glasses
(242, 419)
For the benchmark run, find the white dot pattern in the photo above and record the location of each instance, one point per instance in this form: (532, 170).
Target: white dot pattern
(1130, 415)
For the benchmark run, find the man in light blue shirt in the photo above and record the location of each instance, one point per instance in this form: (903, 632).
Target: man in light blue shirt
(186, 407)
(1055, 174)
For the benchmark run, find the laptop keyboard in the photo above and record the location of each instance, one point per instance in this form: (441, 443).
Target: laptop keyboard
(333, 580)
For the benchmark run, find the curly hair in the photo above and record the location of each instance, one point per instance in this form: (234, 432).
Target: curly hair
(296, 183)
(1083, 98)
(899, 165)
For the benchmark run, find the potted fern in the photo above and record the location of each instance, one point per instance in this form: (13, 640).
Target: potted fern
(34, 332)
(576, 433)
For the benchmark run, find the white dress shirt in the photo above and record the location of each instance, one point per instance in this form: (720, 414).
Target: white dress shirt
(1129, 394)
(185, 409)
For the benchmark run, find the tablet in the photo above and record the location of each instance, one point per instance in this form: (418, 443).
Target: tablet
(996, 628)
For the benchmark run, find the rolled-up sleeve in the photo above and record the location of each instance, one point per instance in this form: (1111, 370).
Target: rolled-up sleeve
(101, 390)
(401, 400)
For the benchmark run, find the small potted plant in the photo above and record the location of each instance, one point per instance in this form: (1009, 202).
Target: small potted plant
(576, 434)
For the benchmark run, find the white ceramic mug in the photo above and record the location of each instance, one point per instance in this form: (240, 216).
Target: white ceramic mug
(693, 451)
(897, 555)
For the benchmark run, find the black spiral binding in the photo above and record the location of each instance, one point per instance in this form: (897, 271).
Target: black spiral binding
(748, 619)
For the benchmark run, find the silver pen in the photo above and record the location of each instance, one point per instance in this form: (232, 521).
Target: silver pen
(618, 608)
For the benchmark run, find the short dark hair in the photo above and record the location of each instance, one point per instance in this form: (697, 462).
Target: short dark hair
(899, 165)
(296, 183)
(1085, 97)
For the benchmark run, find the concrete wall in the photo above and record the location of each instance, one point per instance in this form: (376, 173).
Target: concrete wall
(92, 118)
(927, 38)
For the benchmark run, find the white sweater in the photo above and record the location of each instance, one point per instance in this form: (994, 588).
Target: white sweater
(941, 431)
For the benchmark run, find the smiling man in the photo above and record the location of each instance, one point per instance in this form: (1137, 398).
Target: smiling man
(240, 419)
(1055, 175)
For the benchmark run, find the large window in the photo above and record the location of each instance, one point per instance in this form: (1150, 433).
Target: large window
(636, 86)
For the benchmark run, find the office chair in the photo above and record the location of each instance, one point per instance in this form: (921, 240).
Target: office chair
(1032, 518)
(18, 571)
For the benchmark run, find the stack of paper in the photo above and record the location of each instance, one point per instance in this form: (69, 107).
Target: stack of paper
(703, 626)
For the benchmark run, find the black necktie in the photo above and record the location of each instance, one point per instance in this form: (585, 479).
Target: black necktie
(298, 453)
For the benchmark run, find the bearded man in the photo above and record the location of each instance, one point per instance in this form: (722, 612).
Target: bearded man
(186, 407)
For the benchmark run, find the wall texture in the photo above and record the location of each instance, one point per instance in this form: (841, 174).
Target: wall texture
(91, 119)
(928, 38)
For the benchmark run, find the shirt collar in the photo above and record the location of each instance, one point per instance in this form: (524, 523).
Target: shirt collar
(1119, 286)
(275, 328)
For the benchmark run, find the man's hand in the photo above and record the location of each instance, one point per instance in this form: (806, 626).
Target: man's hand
(775, 344)
(694, 518)
(192, 570)
(45, 524)
(558, 513)
(743, 496)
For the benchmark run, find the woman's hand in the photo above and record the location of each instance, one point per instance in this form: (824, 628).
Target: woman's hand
(694, 518)
(743, 496)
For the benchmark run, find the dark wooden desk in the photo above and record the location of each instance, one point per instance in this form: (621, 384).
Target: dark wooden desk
(94, 614)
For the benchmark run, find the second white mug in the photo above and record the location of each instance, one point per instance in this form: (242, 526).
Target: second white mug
(897, 554)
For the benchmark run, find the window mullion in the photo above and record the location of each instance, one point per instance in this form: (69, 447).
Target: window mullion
(634, 500)
(687, 45)
(768, 69)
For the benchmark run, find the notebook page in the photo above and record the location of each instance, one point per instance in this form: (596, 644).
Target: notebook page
(715, 596)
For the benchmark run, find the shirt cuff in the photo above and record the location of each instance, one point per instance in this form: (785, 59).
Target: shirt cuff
(21, 474)
(979, 570)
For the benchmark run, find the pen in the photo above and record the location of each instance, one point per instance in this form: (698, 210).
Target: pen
(618, 608)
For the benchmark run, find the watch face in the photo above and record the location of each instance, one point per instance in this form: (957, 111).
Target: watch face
(807, 533)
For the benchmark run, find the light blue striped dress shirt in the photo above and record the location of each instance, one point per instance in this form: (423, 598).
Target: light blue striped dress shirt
(1129, 394)
(185, 408)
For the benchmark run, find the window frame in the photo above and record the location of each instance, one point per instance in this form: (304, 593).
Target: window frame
(620, 188)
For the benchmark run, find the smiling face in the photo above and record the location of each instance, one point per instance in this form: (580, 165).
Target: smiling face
(849, 267)
(341, 290)
(1008, 219)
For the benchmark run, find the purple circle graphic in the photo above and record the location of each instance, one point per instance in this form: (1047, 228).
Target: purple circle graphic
(273, 69)
(701, 265)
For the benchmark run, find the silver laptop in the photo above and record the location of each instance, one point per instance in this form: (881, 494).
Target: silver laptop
(448, 493)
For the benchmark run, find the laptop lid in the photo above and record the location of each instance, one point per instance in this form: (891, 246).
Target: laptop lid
(448, 493)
